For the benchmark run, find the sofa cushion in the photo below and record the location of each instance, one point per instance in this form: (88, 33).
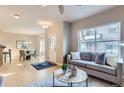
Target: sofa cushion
(103, 68)
(93, 56)
(75, 55)
(111, 59)
(87, 56)
(78, 62)
(100, 58)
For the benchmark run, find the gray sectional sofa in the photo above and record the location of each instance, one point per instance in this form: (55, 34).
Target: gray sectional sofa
(106, 72)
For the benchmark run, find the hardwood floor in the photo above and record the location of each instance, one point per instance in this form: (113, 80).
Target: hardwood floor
(18, 73)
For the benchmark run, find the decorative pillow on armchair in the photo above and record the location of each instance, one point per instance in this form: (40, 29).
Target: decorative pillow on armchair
(75, 55)
(100, 58)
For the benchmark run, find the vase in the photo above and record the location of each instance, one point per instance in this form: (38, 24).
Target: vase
(74, 71)
(64, 71)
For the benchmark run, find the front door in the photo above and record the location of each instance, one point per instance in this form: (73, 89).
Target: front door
(42, 48)
(52, 48)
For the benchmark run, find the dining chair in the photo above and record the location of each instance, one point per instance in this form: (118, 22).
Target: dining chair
(34, 54)
(22, 55)
(7, 52)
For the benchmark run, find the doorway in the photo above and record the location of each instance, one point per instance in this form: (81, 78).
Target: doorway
(42, 48)
(52, 48)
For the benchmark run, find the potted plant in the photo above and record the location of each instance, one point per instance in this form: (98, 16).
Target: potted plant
(64, 68)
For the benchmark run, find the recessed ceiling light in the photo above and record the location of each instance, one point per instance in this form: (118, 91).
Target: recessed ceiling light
(16, 16)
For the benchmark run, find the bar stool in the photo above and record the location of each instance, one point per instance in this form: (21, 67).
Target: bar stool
(7, 53)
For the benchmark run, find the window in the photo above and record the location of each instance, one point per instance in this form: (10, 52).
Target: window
(109, 47)
(87, 40)
(100, 39)
(114, 28)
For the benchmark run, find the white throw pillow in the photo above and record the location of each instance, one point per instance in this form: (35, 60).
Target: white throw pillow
(111, 59)
(75, 55)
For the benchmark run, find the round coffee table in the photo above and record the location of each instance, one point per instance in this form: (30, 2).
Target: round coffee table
(80, 77)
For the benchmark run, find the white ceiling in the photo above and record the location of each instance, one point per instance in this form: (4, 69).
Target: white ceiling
(32, 14)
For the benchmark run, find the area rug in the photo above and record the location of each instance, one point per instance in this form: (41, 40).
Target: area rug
(92, 82)
(42, 65)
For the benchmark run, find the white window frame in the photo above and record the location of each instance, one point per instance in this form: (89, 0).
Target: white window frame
(79, 42)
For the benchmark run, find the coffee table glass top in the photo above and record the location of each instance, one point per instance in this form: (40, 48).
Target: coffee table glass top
(80, 76)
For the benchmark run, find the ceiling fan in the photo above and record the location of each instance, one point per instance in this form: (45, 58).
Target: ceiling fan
(60, 7)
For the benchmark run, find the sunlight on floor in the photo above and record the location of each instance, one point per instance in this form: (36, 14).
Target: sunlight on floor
(19, 64)
(7, 74)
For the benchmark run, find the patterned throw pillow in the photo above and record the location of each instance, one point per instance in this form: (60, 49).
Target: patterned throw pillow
(100, 58)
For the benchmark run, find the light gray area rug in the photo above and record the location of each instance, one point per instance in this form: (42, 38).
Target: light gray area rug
(92, 82)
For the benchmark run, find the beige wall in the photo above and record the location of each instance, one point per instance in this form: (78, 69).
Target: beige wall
(66, 39)
(110, 16)
(55, 28)
(9, 40)
(62, 32)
